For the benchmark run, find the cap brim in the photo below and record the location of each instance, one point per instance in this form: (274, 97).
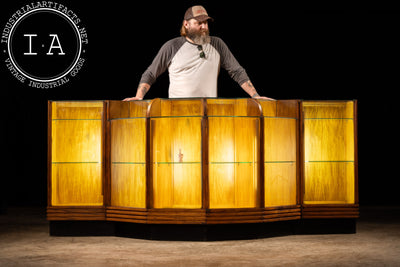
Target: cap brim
(203, 18)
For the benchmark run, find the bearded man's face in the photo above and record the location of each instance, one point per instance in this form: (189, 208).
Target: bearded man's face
(198, 31)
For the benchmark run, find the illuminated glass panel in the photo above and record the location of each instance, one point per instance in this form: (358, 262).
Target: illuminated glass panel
(234, 133)
(76, 153)
(329, 152)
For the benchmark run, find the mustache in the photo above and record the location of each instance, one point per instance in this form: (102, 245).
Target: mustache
(193, 31)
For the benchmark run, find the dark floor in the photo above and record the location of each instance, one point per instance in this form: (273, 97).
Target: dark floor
(25, 241)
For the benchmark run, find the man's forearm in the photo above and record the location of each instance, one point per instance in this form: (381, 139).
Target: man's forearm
(143, 88)
(249, 88)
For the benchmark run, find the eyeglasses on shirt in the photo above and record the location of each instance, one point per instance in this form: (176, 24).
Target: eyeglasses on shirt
(202, 54)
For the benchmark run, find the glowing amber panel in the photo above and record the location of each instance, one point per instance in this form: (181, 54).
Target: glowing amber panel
(280, 161)
(176, 161)
(76, 184)
(128, 159)
(280, 184)
(176, 108)
(329, 152)
(128, 185)
(177, 185)
(76, 153)
(233, 154)
(280, 152)
(329, 139)
(280, 139)
(77, 110)
(329, 183)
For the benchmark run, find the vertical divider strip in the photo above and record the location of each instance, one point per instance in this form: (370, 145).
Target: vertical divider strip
(149, 159)
(262, 159)
(49, 153)
(205, 156)
(301, 156)
(355, 122)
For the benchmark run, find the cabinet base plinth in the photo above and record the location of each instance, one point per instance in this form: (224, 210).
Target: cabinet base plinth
(202, 232)
(330, 211)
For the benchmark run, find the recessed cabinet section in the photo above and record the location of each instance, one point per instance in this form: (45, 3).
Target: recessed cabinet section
(281, 152)
(175, 153)
(76, 153)
(329, 152)
(127, 128)
(233, 151)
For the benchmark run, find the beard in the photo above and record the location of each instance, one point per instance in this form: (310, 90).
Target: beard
(199, 37)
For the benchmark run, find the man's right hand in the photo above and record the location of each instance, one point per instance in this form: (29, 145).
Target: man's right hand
(143, 88)
(132, 99)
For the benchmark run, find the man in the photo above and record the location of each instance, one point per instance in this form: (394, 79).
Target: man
(193, 62)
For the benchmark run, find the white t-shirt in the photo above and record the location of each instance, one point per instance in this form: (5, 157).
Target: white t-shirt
(190, 74)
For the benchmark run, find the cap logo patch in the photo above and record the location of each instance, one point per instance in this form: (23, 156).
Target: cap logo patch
(199, 10)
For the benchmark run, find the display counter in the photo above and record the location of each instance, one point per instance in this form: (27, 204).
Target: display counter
(202, 161)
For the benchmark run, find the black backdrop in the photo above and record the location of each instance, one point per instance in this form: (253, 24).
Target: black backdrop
(289, 53)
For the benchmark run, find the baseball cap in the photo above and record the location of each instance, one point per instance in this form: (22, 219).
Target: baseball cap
(198, 13)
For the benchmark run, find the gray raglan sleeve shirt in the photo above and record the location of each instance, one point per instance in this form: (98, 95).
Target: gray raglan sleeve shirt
(229, 62)
(169, 49)
(162, 60)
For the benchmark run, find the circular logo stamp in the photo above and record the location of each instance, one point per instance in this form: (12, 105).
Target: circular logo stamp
(44, 43)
